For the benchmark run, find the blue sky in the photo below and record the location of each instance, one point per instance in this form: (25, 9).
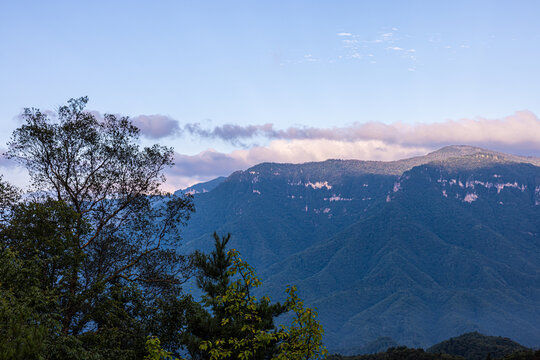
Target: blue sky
(300, 64)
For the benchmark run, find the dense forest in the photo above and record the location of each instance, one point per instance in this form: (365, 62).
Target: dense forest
(404, 353)
(469, 346)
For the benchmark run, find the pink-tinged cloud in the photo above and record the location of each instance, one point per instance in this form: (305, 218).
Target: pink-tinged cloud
(156, 126)
(517, 134)
(209, 164)
(521, 129)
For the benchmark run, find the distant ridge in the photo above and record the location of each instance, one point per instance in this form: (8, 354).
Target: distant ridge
(395, 167)
(202, 187)
(475, 346)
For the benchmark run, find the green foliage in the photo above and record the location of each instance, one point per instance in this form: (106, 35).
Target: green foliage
(23, 331)
(155, 351)
(241, 307)
(215, 318)
(249, 331)
(303, 338)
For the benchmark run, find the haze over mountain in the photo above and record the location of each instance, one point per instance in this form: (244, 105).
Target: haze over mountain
(419, 249)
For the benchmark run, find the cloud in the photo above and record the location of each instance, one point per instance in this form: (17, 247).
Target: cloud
(191, 169)
(151, 126)
(156, 126)
(207, 163)
(344, 34)
(521, 128)
(230, 132)
(518, 134)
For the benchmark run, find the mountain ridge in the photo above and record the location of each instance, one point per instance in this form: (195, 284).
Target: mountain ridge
(446, 246)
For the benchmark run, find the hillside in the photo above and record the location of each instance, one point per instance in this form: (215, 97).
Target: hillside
(418, 250)
(475, 346)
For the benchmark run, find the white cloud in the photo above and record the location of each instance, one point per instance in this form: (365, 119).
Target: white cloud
(518, 133)
(344, 34)
(207, 165)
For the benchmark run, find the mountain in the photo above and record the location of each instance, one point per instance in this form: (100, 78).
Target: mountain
(202, 187)
(376, 346)
(398, 353)
(469, 346)
(418, 250)
(475, 346)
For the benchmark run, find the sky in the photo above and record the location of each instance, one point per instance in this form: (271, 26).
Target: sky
(230, 84)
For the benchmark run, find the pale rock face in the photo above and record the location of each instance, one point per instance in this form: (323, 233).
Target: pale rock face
(470, 198)
(537, 195)
(509, 185)
(256, 192)
(471, 184)
(326, 210)
(337, 198)
(319, 185)
(388, 199)
(397, 186)
(444, 193)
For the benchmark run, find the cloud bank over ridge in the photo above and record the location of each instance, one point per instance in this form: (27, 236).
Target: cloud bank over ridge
(521, 128)
(518, 134)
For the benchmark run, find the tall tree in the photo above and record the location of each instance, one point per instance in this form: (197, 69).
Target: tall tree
(231, 323)
(98, 224)
(255, 338)
(207, 321)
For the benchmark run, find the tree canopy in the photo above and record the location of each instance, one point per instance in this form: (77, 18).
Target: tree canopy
(97, 236)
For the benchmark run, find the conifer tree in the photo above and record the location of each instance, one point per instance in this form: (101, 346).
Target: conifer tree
(211, 319)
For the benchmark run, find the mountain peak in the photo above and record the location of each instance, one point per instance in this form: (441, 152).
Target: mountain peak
(459, 150)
